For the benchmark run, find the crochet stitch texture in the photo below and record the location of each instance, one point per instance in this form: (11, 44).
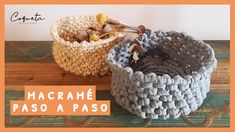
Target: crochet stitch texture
(150, 95)
(85, 58)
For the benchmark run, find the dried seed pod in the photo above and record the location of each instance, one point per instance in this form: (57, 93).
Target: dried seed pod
(107, 28)
(94, 37)
(131, 36)
(135, 41)
(101, 18)
(141, 29)
(131, 48)
(135, 56)
(136, 48)
(83, 36)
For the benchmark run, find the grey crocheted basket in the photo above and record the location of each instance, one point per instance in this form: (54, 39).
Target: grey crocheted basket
(162, 89)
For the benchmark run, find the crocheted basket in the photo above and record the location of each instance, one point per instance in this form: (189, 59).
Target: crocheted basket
(85, 58)
(162, 88)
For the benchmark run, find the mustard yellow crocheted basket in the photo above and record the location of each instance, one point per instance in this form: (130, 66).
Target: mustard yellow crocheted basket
(85, 58)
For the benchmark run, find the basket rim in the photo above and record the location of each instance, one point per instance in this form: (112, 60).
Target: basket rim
(208, 67)
(83, 44)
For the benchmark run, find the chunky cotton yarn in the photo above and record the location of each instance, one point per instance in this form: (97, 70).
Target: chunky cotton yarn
(161, 96)
(85, 58)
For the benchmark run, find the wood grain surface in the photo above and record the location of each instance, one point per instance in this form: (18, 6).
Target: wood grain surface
(49, 73)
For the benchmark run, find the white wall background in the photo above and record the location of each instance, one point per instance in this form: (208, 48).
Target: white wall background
(205, 22)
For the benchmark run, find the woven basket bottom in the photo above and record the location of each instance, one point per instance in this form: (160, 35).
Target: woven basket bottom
(160, 63)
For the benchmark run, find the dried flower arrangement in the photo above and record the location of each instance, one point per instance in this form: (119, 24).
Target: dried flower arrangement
(109, 28)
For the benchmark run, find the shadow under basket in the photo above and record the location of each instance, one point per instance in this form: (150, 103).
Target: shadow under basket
(81, 58)
(171, 78)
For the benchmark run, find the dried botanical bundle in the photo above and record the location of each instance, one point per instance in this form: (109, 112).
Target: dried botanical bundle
(108, 28)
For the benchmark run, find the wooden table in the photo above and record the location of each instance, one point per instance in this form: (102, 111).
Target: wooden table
(31, 63)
